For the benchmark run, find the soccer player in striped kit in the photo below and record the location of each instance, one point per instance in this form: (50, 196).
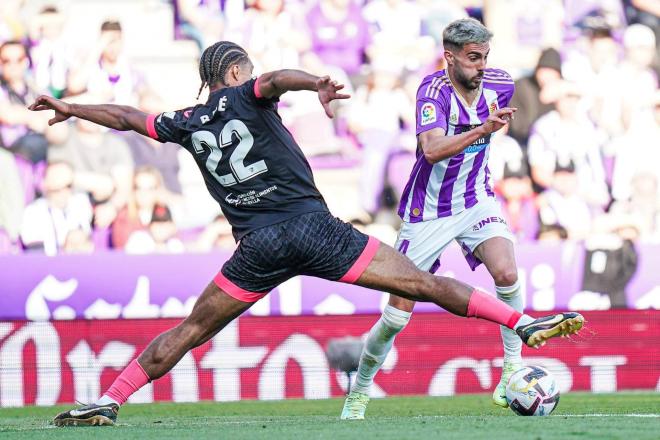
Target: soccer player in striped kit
(448, 195)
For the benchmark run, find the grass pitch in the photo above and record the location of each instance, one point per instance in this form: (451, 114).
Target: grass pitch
(578, 416)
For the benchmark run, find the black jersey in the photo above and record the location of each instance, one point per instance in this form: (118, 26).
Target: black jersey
(250, 162)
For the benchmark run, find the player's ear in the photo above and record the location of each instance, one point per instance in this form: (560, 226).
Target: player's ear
(235, 72)
(449, 57)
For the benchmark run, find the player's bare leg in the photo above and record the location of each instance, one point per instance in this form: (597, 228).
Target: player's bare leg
(498, 256)
(212, 312)
(392, 272)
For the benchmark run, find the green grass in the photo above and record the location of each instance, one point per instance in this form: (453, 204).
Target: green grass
(579, 416)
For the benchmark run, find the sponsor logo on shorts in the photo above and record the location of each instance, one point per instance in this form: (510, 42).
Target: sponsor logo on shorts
(487, 221)
(428, 114)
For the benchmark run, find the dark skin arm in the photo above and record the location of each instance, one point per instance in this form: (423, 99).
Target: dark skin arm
(275, 84)
(122, 117)
(437, 146)
(119, 117)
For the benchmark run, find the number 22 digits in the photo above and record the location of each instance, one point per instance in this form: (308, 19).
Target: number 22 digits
(240, 171)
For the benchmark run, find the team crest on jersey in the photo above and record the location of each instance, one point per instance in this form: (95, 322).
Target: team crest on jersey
(453, 118)
(428, 114)
(493, 107)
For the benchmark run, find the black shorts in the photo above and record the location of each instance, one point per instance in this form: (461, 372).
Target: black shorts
(315, 244)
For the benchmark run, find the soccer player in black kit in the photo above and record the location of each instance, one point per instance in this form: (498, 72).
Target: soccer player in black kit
(254, 169)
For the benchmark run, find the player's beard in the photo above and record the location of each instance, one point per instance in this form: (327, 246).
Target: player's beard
(469, 83)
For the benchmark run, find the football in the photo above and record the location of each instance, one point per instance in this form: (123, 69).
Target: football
(532, 391)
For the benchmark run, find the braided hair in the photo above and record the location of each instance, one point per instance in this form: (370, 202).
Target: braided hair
(216, 61)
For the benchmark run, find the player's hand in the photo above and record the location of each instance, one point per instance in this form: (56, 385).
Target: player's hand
(498, 119)
(62, 109)
(327, 90)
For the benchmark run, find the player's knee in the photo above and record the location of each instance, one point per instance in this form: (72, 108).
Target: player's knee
(394, 318)
(505, 277)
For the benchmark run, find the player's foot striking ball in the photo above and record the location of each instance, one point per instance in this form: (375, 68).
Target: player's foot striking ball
(258, 174)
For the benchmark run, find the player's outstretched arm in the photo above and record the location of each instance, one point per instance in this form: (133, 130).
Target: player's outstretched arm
(119, 117)
(274, 84)
(436, 146)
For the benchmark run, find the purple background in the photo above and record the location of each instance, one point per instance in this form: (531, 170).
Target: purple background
(546, 270)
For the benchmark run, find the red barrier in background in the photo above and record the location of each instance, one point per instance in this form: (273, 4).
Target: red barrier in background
(280, 357)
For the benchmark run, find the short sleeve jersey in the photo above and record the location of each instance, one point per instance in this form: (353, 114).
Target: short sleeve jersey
(251, 164)
(457, 183)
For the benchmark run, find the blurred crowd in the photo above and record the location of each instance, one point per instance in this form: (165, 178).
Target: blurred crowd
(578, 162)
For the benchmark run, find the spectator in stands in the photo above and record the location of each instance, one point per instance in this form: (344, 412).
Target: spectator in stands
(78, 241)
(106, 72)
(521, 30)
(642, 209)
(217, 235)
(48, 51)
(616, 107)
(561, 205)
(532, 98)
(340, 35)
(201, 21)
(567, 135)
(398, 33)
(551, 233)
(504, 150)
(377, 112)
(159, 237)
(518, 200)
(636, 153)
(48, 220)
(147, 191)
(11, 202)
(592, 58)
(147, 151)
(102, 165)
(273, 33)
(20, 131)
(437, 15)
(646, 12)
(11, 26)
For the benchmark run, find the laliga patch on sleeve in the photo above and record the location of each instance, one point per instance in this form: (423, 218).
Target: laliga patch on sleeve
(428, 114)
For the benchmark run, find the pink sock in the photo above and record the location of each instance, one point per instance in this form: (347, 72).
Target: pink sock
(129, 381)
(485, 306)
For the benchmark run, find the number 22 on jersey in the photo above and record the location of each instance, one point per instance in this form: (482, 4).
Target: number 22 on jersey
(240, 171)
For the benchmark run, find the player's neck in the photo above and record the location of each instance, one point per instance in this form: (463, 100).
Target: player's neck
(468, 95)
(215, 88)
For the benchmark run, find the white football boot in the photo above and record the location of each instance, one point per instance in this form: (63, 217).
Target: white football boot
(499, 395)
(355, 406)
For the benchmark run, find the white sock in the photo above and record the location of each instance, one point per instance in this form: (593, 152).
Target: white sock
(378, 344)
(105, 400)
(512, 343)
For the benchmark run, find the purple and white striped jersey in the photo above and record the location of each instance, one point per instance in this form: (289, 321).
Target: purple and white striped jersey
(459, 182)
